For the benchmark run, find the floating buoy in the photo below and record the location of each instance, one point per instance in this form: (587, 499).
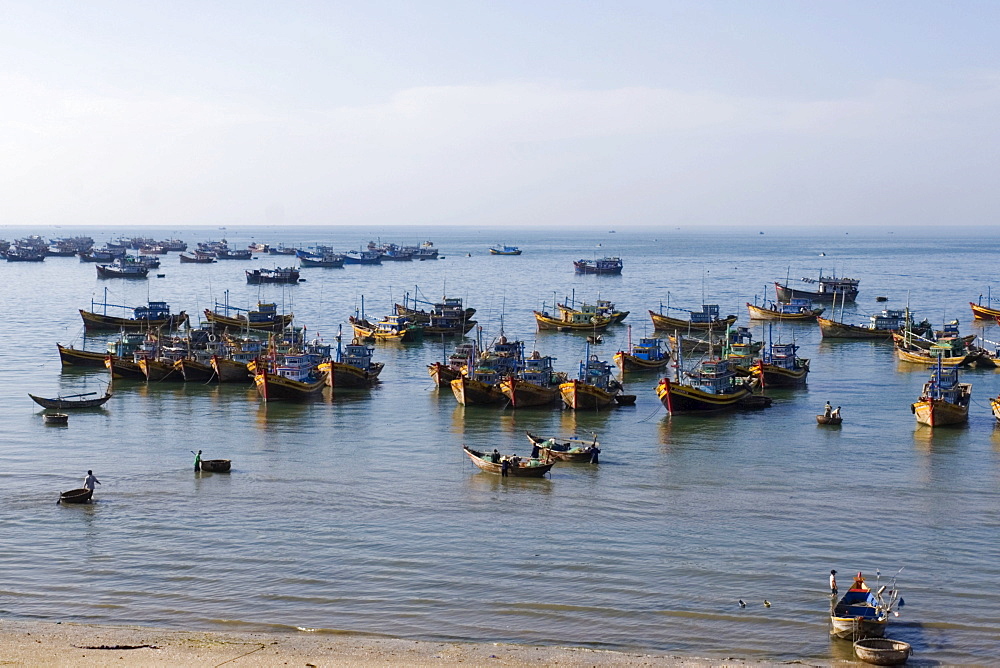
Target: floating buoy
(160, 275)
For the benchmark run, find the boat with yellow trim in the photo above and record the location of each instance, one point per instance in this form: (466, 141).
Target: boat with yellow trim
(603, 307)
(980, 312)
(647, 355)
(706, 318)
(264, 317)
(713, 387)
(944, 400)
(535, 384)
(353, 366)
(570, 321)
(795, 310)
(780, 366)
(593, 388)
(294, 379)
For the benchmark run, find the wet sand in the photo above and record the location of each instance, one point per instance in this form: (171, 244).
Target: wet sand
(53, 644)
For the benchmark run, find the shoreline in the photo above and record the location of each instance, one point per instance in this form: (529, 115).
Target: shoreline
(36, 643)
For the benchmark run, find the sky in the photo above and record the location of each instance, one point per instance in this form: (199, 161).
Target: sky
(616, 114)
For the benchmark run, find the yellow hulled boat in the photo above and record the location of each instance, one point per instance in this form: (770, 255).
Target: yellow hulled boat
(944, 400)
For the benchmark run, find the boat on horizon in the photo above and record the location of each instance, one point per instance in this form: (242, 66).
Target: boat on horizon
(606, 265)
(503, 249)
(827, 288)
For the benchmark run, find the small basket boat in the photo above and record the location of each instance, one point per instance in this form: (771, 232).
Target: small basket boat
(216, 465)
(882, 651)
(56, 418)
(829, 419)
(81, 495)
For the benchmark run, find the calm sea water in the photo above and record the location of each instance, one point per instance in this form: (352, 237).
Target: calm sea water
(362, 513)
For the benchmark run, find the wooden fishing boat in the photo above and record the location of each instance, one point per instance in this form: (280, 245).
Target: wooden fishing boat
(532, 468)
(230, 370)
(363, 257)
(195, 371)
(55, 418)
(603, 308)
(390, 328)
(995, 405)
(70, 356)
(216, 465)
(882, 651)
(881, 325)
(565, 449)
(707, 318)
(197, 258)
(605, 265)
(980, 312)
(293, 379)
(153, 315)
(535, 384)
(945, 353)
(712, 386)
(443, 373)
(330, 261)
(72, 402)
(265, 317)
(827, 288)
(570, 321)
(446, 305)
(503, 249)
(780, 366)
(353, 366)
(481, 389)
(944, 400)
(82, 495)
(593, 388)
(831, 420)
(795, 310)
(122, 269)
(647, 355)
(156, 370)
(862, 613)
(121, 367)
(227, 254)
(277, 275)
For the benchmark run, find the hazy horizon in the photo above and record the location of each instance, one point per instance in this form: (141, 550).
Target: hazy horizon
(632, 115)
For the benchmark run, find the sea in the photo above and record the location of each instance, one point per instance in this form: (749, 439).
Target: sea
(360, 513)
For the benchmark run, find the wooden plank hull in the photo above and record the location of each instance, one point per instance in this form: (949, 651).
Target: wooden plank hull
(597, 323)
(123, 368)
(980, 312)
(70, 404)
(629, 362)
(665, 323)
(442, 374)
(275, 325)
(849, 628)
(471, 392)
(939, 413)
(85, 358)
(581, 396)
(272, 386)
(565, 449)
(831, 329)
(99, 321)
(759, 313)
(350, 377)
(230, 371)
(524, 394)
(523, 470)
(688, 399)
(194, 371)
(776, 376)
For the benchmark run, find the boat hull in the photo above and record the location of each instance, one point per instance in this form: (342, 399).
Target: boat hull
(581, 396)
(123, 368)
(664, 323)
(69, 404)
(849, 628)
(350, 377)
(776, 376)
(99, 321)
(759, 313)
(786, 294)
(524, 470)
(471, 392)
(596, 324)
(275, 325)
(687, 399)
(85, 358)
(524, 394)
(442, 374)
(272, 386)
(831, 329)
(194, 371)
(921, 356)
(629, 362)
(939, 413)
(980, 312)
(230, 371)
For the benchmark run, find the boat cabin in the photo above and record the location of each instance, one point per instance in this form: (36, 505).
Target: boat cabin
(794, 305)
(893, 319)
(538, 369)
(595, 372)
(781, 355)
(713, 376)
(296, 367)
(357, 354)
(152, 311)
(649, 349)
(708, 313)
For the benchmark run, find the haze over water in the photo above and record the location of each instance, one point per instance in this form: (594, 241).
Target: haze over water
(363, 514)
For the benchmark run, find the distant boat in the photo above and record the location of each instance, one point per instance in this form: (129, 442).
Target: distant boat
(828, 287)
(795, 310)
(530, 468)
(705, 319)
(504, 250)
(605, 265)
(122, 269)
(881, 325)
(276, 275)
(264, 317)
(153, 315)
(198, 258)
(72, 401)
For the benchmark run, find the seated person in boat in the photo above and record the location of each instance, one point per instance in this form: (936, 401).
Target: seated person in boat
(835, 412)
(495, 457)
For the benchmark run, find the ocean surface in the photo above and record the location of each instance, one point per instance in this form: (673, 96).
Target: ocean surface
(360, 513)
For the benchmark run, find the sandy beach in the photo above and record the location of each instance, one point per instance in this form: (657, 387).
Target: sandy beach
(55, 644)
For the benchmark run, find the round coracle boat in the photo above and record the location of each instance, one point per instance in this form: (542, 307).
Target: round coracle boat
(81, 495)
(55, 418)
(829, 419)
(882, 651)
(216, 465)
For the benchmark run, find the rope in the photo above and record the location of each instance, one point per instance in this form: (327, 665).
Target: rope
(653, 414)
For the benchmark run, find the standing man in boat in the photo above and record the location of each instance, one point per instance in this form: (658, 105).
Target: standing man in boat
(90, 481)
(827, 410)
(833, 583)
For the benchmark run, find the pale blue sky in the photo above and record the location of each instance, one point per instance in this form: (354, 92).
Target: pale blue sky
(678, 114)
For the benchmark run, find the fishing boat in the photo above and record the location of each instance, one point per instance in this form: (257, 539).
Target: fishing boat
(390, 328)
(862, 613)
(535, 384)
(70, 356)
(944, 400)
(195, 370)
(593, 388)
(987, 312)
(156, 370)
(197, 258)
(480, 384)
(73, 401)
(82, 495)
(239, 254)
(153, 315)
(444, 372)
(276, 275)
(102, 255)
(293, 379)
(711, 386)
(122, 269)
(705, 319)
(948, 353)
(827, 287)
(794, 310)
(647, 355)
(517, 468)
(603, 308)
(565, 449)
(880, 326)
(605, 265)
(780, 366)
(449, 305)
(328, 260)
(264, 317)
(569, 320)
(216, 465)
(363, 257)
(228, 370)
(353, 366)
(503, 249)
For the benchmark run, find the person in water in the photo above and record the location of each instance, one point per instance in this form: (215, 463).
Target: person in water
(90, 481)
(197, 461)
(504, 467)
(833, 583)
(594, 452)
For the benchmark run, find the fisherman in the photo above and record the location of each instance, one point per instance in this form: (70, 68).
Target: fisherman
(535, 451)
(504, 467)
(594, 452)
(197, 461)
(827, 410)
(495, 457)
(90, 481)
(836, 412)
(833, 583)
